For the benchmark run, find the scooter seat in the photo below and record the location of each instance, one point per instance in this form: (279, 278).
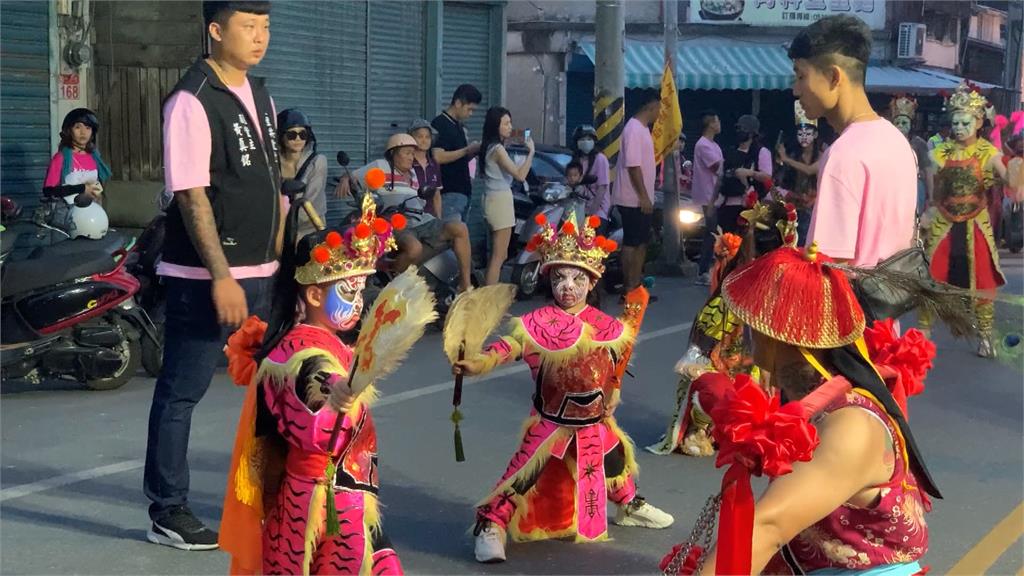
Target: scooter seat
(110, 243)
(27, 275)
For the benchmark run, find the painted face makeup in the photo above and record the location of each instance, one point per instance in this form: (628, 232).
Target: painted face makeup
(965, 125)
(806, 137)
(345, 302)
(569, 286)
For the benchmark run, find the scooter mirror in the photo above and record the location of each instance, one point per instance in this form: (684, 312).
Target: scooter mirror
(292, 188)
(343, 158)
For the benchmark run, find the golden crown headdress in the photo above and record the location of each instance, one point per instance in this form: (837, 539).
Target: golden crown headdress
(759, 215)
(902, 105)
(801, 116)
(968, 98)
(572, 244)
(354, 253)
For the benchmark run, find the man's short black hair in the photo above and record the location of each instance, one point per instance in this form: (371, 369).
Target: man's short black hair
(707, 117)
(843, 41)
(467, 94)
(221, 11)
(644, 98)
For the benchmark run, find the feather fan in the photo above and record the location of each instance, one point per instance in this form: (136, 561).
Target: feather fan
(473, 316)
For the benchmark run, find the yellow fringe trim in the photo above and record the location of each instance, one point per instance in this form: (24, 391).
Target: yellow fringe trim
(281, 375)
(583, 344)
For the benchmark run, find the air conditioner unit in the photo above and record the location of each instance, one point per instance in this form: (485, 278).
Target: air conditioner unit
(910, 43)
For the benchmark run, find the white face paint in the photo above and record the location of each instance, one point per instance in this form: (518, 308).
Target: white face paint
(345, 302)
(965, 125)
(806, 137)
(903, 124)
(570, 286)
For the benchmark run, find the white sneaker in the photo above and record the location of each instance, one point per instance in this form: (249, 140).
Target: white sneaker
(703, 280)
(490, 544)
(641, 514)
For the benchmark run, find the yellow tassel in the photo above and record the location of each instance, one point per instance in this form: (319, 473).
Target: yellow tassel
(314, 524)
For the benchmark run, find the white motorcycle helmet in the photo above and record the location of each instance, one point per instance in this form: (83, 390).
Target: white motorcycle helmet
(87, 222)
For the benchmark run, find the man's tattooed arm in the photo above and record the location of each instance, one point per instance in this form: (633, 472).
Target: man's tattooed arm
(202, 230)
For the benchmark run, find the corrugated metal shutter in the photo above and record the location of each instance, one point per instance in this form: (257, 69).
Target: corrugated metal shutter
(396, 69)
(317, 63)
(24, 99)
(466, 57)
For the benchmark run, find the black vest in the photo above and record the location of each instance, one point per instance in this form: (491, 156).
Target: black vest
(245, 174)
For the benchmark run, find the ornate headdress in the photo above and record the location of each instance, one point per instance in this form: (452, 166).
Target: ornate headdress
(902, 105)
(353, 253)
(801, 116)
(795, 297)
(760, 216)
(968, 98)
(572, 245)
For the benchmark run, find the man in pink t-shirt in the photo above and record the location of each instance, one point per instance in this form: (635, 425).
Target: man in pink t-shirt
(221, 244)
(633, 189)
(867, 184)
(707, 170)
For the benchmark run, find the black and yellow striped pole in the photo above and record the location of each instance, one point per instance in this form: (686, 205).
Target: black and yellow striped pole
(609, 77)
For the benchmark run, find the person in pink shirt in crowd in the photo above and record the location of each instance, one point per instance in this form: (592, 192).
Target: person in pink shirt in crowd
(77, 167)
(633, 190)
(867, 182)
(223, 239)
(707, 169)
(593, 163)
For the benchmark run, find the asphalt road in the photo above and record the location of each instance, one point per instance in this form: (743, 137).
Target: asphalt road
(71, 479)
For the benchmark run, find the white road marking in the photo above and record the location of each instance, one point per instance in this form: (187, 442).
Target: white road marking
(55, 482)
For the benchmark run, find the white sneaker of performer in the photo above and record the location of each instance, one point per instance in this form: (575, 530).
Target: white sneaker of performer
(490, 544)
(637, 512)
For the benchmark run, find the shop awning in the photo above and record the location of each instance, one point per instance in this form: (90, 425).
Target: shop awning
(720, 66)
(729, 64)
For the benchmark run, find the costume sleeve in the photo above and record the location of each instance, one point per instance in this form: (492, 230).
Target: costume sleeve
(318, 382)
(502, 351)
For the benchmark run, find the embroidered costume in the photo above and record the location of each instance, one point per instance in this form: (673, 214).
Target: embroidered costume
(959, 239)
(801, 301)
(716, 340)
(300, 498)
(573, 456)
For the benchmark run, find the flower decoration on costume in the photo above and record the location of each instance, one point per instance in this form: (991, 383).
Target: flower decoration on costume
(759, 215)
(571, 244)
(240, 349)
(752, 430)
(908, 358)
(727, 245)
(354, 253)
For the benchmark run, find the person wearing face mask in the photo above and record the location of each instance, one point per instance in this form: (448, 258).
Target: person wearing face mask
(573, 455)
(747, 166)
(798, 177)
(296, 371)
(584, 140)
(902, 110)
(959, 237)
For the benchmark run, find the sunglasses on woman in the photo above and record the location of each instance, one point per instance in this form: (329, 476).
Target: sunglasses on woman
(300, 135)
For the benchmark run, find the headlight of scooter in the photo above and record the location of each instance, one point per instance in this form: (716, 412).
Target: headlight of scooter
(687, 216)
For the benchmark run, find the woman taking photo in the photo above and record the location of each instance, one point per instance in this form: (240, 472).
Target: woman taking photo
(584, 143)
(798, 175)
(498, 170)
(300, 161)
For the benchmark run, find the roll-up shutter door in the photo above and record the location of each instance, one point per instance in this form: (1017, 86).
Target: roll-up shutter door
(25, 148)
(467, 51)
(395, 90)
(317, 63)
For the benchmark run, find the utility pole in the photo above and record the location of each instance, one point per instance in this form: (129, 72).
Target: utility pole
(1014, 49)
(670, 186)
(609, 78)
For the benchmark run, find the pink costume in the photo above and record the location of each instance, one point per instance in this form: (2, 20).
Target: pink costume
(893, 532)
(573, 455)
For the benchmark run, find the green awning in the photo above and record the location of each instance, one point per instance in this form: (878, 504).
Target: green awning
(723, 65)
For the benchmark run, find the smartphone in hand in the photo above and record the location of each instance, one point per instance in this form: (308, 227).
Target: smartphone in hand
(526, 135)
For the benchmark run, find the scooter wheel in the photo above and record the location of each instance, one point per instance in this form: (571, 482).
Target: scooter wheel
(128, 369)
(526, 278)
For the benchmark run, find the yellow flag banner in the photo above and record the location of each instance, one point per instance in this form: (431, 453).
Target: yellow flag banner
(670, 119)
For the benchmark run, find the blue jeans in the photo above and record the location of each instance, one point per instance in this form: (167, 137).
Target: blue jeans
(193, 346)
(455, 204)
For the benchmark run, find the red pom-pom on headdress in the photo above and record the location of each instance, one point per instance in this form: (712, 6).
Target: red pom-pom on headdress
(540, 219)
(321, 254)
(333, 239)
(380, 226)
(568, 227)
(593, 221)
(363, 230)
(398, 221)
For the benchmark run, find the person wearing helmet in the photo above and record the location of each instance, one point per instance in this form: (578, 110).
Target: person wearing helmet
(584, 146)
(77, 167)
(300, 161)
(424, 232)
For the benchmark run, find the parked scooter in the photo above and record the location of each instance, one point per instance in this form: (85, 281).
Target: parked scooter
(440, 270)
(68, 311)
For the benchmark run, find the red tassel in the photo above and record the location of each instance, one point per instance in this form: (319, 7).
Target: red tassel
(736, 522)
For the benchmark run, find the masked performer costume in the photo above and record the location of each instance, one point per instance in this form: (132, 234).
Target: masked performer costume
(573, 456)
